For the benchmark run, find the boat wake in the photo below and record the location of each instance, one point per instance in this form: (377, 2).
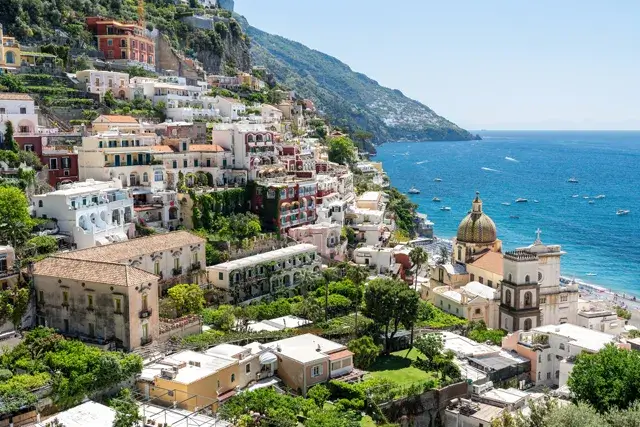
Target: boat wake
(490, 170)
(511, 159)
(424, 161)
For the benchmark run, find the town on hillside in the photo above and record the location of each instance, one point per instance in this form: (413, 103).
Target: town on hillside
(183, 248)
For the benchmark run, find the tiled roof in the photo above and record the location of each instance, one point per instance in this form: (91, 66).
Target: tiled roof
(117, 119)
(162, 149)
(206, 147)
(340, 355)
(490, 261)
(116, 252)
(15, 97)
(93, 271)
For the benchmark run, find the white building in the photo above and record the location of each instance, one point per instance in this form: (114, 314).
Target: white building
(326, 237)
(473, 302)
(101, 82)
(600, 318)
(89, 413)
(264, 272)
(368, 218)
(251, 144)
(19, 109)
(91, 212)
(229, 107)
(378, 258)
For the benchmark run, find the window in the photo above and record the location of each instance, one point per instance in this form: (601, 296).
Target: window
(540, 358)
(118, 303)
(527, 299)
(23, 110)
(564, 298)
(66, 325)
(549, 357)
(156, 268)
(110, 54)
(40, 203)
(184, 146)
(316, 371)
(506, 324)
(527, 279)
(539, 276)
(233, 378)
(548, 375)
(92, 330)
(3, 110)
(218, 384)
(457, 311)
(539, 376)
(478, 311)
(24, 129)
(507, 297)
(557, 374)
(90, 301)
(27, 147)
(490, 283)
(195, 163)
(176, 263)
(53, 164)
(109, 42)
(449, 306)
(65, 297)
(509, 277)
(561, 346)
(543, 300)
(472, 277)
(145, 177)
(527, 324)
(481, 280)
(41, 297)
(175, 164)
(185, 163)
(145, 302)
(247, 368)
(220, 275)
(157, 176)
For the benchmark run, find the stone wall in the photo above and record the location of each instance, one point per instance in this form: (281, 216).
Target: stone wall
(167, 59)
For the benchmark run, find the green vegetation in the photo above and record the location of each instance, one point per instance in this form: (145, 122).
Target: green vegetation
(432, 317)
(365, 352)
(431, 346)
(625, 314)
(352, 100)
(341, 150)
(479, 332)
(404, 210)
(15, 221)
(607, 379)
(72, 368)
(127, 410)
(398, 368)
(188, 298)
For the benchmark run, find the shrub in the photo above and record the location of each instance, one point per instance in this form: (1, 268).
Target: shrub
(5, 374)
(319, 394)
(365, 351)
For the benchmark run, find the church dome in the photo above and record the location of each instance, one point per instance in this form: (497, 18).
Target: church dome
(477, 227)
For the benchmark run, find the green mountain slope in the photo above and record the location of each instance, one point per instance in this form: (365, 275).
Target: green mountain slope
(350, 99)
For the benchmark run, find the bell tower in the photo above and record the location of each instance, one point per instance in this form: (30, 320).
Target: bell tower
(520, 299)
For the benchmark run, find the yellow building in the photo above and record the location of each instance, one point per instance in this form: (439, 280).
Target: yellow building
(10, 54)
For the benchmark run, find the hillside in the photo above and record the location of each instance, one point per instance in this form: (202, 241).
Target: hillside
(348, 98)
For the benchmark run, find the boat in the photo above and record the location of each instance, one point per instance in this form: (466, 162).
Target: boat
(575, 196)
(413, 190)
(445, 208)
(521, 200)
(506, 204)
(572, 180)
(535, 201)
(514, 217)
(437, 180)
(623, 212)
(591, 202)
(600, 196)
(592, 274)
(586, 197)
(435, 199)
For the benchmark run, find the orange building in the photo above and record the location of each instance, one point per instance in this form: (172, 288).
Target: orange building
(124, 43)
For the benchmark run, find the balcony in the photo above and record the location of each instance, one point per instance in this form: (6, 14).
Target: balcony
(195, 267)
(146, 340)
(145, 313)
(8, 272)
(177, 271)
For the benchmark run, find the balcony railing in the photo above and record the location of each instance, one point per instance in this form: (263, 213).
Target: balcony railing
(195, 267)
(145, 313)
(177, 271)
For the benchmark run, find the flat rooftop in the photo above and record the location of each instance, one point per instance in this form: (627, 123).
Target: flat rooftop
(265, 257)
(579, 336)
(465, 347)
(305, 348)
(506, 396)
(89, 413)
(208, 365)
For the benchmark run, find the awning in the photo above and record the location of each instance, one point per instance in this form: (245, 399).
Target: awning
(225, 396)
(267, 358)
(139, 191)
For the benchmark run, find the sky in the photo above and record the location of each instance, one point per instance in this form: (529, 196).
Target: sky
(484, 64)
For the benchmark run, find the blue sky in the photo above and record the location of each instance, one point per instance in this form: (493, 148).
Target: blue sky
(494, 64)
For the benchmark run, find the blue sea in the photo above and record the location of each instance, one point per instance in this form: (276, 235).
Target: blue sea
(507, 165)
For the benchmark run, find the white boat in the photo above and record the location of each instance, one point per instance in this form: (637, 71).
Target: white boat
(435, 199)
(535, 201)
(591, 202)
(585, 197)
(623, 212)
(437, 180)
(592, 274)
(521, 200)
(445, 208)
(413, 190)
(575, 196)
(572, 180)
(506, 204)
(600, 196)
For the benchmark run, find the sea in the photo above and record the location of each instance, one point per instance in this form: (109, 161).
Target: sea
(601, 247)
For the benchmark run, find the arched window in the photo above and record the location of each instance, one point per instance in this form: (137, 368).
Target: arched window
(507, 297)
(527, 324)
(258, 138)
(509, 279)
(539, 276)
(557, 374)
(549, 357)
(459, 253)
(540, 358)
(527, 279)
(250, 138)
(527, 298)
(40, 204)
(11, 59)
(145, 177)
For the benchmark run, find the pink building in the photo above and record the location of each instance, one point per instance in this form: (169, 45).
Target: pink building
(326, 237)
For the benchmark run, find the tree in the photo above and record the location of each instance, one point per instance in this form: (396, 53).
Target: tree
(634, 333)
(430, 345)
(309, 309)
(341, 150)
(188, 298)
(479, 332)
(606, 379)
(319, 394)
(127, 410)
(418, 257)
(358, 275)
(365, 351)
(110, 100)
(15, 221)
(9, 141)
(223, 318)
(389, 303)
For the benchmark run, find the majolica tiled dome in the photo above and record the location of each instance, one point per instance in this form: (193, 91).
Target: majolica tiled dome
(477, 227)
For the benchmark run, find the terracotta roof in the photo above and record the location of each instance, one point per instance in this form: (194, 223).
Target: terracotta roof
(490, 261)
(109, 273)
(117, 119)
(162, 149)
(206, 147)
(123, 251)
(340, 355)
(15, 97)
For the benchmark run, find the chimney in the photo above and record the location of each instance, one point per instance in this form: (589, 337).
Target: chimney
(318, 349)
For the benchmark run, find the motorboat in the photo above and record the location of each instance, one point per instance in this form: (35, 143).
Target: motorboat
(591, 202)
(521, 200)
(592, 274)
(445, 208)
(586, 197)
(437, 180)
(623, 212)
(435, 199)
(506, 204)
(514, 217)
(535, 201)
(600, 196)
(413, 190)
(572, 180)
(575, 196)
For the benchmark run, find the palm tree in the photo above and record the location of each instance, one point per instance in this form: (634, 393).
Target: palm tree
(307, 278)
(418, 257)
(358, 275)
